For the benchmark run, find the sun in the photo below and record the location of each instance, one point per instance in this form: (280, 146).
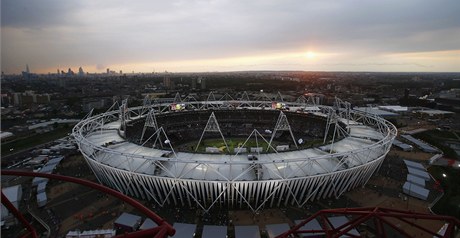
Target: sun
(310, 55)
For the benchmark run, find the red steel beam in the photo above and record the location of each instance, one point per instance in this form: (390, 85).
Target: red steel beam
(166, 227)
(401, 231)
(376, 213)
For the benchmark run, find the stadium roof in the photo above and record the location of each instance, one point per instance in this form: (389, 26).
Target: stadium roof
(212, 166)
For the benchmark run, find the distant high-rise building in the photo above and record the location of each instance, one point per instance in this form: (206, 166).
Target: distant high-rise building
(203, 83)
(26, 74)
(108, 71)
(168, 83)
(121, 71)
(70, 72)
(58, 72)
(81, 72)
(194, 83)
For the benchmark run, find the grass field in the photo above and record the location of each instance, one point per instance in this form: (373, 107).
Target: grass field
(238, 142)
(25, 143)
(436, 138)
(232, 144)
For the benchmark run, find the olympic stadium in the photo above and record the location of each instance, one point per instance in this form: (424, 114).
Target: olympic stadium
(239, 153)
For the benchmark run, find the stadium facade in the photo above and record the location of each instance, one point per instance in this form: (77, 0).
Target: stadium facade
(272, 170)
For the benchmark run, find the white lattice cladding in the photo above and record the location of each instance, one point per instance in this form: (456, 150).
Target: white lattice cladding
(293, 177)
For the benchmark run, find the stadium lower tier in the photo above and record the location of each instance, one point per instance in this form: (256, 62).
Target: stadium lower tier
(235, 194)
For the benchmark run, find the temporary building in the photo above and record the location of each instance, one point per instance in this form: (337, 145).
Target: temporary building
(311, 225)
(422, 145)
(341, 220)
(416, 180)
(184, 230)
(415, 191)
(42, 200)
(14, 195)
(419, 173)
(247, 232)
(41, 187)
(274, 230)
(148, 224)
(128, 222)
(402, 146)
(414, 165)
(210, 231)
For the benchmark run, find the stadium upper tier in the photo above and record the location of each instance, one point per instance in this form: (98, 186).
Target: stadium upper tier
(355, 144)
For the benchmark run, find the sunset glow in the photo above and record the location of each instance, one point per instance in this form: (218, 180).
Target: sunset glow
(229, 35)
(310, 55)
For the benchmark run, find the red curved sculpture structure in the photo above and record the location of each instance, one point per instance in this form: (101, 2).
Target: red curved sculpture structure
(380, 217)
(163, 229)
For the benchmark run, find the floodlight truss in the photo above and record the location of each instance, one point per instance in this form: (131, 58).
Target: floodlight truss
(150, 122)
(274, 181)
(282, 124)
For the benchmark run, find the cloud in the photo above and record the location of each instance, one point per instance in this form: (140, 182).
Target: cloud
(86, 32)
(38, 14)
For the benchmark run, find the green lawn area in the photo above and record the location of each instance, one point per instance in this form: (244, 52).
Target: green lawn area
(436, 138)
(24, 143)
(449, 204)
(238, 142)
(232, 144)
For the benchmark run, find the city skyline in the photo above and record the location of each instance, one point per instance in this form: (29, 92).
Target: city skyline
(197, 36)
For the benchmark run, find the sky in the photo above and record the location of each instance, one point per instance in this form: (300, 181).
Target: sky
(230, 35)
